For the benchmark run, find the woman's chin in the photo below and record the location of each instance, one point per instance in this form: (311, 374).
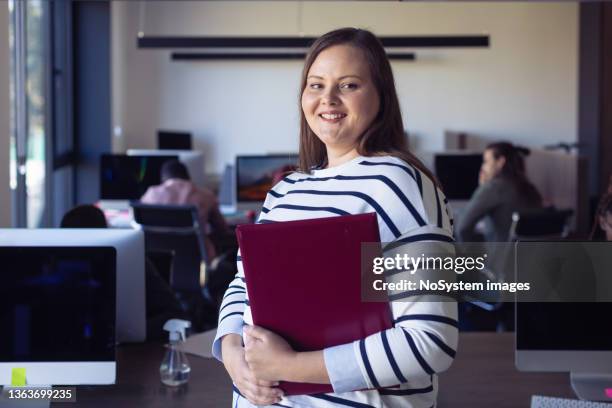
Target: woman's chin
(333, 139)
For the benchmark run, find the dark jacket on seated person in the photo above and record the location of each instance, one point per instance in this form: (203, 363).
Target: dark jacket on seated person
(495, 201)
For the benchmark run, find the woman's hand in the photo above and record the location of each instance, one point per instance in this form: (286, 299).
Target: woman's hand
(257, 391)
(482, 178)
(268, 355)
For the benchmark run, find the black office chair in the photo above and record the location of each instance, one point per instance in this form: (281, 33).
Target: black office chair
(175, 228)
(527, 225)
(540, 224)
(162, 260)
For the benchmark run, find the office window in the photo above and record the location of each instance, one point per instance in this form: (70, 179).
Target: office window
(29, 51)
(12, 153)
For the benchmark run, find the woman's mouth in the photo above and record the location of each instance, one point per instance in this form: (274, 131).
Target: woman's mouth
(332, 117)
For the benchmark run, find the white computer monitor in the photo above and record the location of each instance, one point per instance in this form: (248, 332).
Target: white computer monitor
(194, 161)
(562, 323)
(129, 244)
(57, 313)
(255, 176)
(567, 337)
(227, 191)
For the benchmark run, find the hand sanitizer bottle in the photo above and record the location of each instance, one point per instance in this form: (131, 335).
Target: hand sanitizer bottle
(174, 369)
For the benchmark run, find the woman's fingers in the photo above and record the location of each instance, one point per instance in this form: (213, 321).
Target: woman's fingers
(263, 383)
(257, 391)
(256, 332)
(261, 395)
(250, 377)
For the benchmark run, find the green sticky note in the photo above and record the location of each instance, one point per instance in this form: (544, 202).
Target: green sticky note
(18, 377)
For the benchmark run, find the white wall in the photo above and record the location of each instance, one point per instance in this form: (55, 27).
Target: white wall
(522, 88)
(5, 194)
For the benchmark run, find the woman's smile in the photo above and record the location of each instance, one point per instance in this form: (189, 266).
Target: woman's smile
(332, 116)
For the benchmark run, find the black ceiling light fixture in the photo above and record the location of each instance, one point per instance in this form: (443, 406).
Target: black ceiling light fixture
(292, 48)
(427, 41)
(285, 55)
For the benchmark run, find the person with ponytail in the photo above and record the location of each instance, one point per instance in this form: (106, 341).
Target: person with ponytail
(504, 189)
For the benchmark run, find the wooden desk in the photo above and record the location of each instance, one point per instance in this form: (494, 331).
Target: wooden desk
(483, 375)
(139, 385)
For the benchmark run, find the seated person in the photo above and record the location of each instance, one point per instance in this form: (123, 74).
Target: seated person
(602, 225)
(177, 189)
(503, 189)
(84, 216)
(161, 303)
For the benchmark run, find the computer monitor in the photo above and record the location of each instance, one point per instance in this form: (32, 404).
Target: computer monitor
(129, 244)
(173, 140)
(227, 191)
(256, 175)
(194, 161)
(124, 177)
(57, 314)
(562, 337)
(458, 173)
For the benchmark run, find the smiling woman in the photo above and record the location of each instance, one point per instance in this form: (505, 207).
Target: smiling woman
(353, 160)
(339, 101)
(350, 66)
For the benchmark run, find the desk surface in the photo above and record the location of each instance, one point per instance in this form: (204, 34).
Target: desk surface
(483, 375)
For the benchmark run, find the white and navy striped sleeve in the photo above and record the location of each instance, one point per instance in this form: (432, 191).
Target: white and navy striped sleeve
(424, 337)
(231, 312)
(234, 303)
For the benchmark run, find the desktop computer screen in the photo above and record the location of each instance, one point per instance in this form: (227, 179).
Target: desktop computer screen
(129, 246)
(124, 177)
(193, 160)
(173, 140)
(256, 175)
(458, 174)
(568, 337)
(564, 326)
(57, 314)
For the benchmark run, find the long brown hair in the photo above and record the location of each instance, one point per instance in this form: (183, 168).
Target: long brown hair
(514, 169)
(385, 135)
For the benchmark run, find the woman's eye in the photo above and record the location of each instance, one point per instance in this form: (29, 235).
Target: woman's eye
(348, 86)
(315, 86)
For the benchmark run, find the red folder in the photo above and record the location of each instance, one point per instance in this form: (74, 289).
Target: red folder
(303, 279)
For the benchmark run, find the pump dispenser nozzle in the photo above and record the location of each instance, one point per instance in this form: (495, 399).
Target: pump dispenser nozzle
(175, 368)
(177, 328)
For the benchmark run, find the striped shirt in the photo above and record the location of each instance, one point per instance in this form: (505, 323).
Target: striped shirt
(423, 340)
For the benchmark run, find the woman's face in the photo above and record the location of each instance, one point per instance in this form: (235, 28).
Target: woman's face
(490, 166)
(605, 222)
(340, 100)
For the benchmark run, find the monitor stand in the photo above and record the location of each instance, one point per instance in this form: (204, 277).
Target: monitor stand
(6, 402)
(592, 387)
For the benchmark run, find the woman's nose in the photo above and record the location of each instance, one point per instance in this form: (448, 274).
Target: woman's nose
(330, 97)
